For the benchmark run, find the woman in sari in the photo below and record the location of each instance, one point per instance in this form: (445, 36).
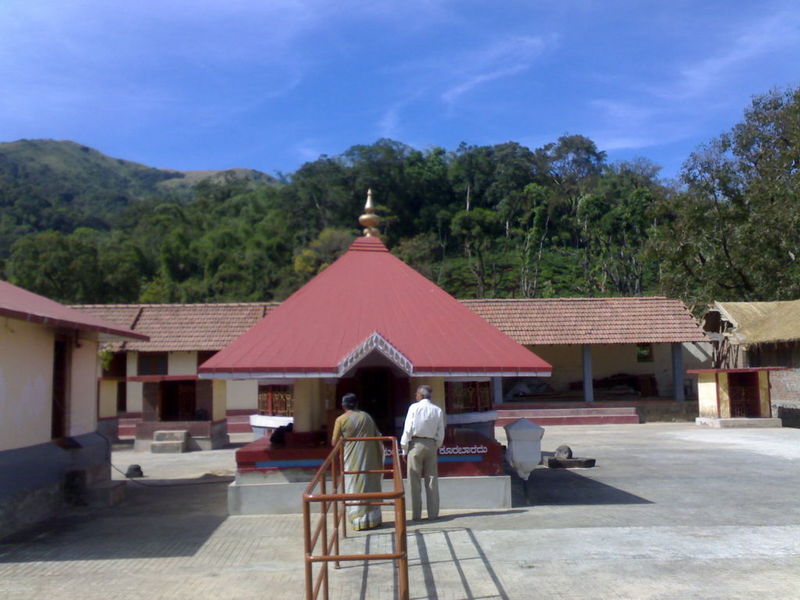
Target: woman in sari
(360, 456)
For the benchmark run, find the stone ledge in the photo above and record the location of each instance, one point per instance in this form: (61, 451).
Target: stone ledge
(570, 463)
(740, 422)
(474, 492)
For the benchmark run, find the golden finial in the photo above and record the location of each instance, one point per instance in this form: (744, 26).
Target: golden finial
(369, 219)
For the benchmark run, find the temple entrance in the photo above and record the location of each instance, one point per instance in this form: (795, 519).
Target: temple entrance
(745, 401)
(382, 393)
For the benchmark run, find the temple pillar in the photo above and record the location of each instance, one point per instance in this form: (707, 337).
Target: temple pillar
(588, 385)
(309, 414)
(497, 390)
(219, 399)
(677, 372)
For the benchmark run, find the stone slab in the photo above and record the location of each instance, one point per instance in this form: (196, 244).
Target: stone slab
(286, 498)
(178, 435)
(167, 447)
(570, 463)
(737, 423)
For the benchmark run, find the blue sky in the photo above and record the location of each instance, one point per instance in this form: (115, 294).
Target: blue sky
(270, 84)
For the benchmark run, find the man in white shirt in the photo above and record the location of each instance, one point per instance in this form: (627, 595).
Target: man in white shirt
(423, 434)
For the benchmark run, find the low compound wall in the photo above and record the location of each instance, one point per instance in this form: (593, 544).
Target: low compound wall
(785, 396)
(35, 481)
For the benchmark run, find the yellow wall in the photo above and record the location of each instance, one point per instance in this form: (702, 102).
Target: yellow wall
(308, 405)
(763, 392)
(220, 392)
(437, 389)
(707, 394)
(243, 394)
(182, 363)
(134, 391)
(107, 401)
(607, 360)
(26, 375)
(26, 384)
(83, 388)
(724, 396)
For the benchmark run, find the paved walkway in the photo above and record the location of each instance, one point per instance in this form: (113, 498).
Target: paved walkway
(670, 512)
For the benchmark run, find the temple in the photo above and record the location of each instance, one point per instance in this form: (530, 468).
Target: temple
(372, 325)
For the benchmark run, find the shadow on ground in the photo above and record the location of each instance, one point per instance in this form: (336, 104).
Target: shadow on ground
(566, 488)
(167, 518)
(448, 560)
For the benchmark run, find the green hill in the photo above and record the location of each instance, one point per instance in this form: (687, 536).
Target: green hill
(62, 185)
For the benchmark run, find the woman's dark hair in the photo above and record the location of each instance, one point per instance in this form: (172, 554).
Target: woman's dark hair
(349, 401)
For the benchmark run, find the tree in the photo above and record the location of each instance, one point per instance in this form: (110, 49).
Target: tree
(321, 252)
(64, 268)
(615, 222)
(478, 229)
(733, 233)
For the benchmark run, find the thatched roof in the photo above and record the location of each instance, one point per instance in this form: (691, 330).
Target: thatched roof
(762, 322)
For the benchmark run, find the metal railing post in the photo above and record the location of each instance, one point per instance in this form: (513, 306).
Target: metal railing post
(307, 546)
(334, 464)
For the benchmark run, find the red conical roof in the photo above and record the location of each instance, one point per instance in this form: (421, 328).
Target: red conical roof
(369, 300)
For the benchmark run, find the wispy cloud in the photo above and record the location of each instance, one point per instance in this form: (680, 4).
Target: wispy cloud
(440, 82)
(773, 33)
(495, 61)
(642, 116)
(388, 124)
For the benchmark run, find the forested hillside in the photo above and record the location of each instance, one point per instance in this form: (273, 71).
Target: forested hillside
(481, 221)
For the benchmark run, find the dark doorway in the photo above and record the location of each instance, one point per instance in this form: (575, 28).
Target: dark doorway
(58, 422)
(178, 401)
(745, 400)
(122, 397)
(381, 393)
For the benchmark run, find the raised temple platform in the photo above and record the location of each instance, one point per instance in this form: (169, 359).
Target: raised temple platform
(246, 498)
(271, 477)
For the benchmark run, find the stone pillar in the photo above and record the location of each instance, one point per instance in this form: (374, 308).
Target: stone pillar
(497, 390)
(677, 372)
(588, 386)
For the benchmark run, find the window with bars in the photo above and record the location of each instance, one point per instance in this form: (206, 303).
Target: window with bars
(151, 363)
(467, 396)
(644, 352)
(276, 400)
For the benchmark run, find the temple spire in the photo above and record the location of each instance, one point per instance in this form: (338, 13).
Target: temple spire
(369, 219)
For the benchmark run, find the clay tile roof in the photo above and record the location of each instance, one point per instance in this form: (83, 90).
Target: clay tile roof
(590, 320)
(369, 300)
(21, 304)
(183, 327)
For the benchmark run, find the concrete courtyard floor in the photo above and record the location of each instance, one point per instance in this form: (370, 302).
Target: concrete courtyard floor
(671, 511)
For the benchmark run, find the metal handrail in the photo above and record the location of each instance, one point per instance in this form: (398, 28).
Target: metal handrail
(335, 502)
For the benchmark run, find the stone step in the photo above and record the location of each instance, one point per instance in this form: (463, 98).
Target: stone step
(600, 420)
(126, 426)
(239, 427)
(171, 435)
(169, 447)
(239, 418)
(239, 424)
(614, 411)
